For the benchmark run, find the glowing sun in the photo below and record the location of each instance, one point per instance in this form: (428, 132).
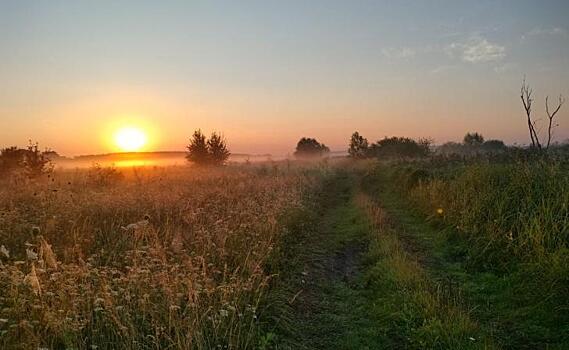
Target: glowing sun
(130, 139)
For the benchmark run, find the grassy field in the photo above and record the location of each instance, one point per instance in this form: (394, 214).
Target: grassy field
(143, 258)
(327, 255)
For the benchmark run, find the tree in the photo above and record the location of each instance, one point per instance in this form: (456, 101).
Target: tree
(527, 101)
(31, 161)
(494, 145)
(198, 150)
(309, 147)
(11, 158)
(398, 147)
(202, 151)
(217, 148)
(358, 146)
(473, 139)
(36, 162)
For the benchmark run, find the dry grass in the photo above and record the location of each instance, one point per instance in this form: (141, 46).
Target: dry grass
(188, 274)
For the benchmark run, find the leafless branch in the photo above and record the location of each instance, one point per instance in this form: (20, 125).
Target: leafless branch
(551, 116)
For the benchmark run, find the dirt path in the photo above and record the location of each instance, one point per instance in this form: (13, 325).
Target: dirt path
(330, 308)
(359, 281)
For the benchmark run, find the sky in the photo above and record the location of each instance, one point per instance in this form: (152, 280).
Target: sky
(265, 73)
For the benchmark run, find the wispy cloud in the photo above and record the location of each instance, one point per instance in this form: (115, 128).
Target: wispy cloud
(399, 52)
(476, 49)
(541, 31)
(443, 69)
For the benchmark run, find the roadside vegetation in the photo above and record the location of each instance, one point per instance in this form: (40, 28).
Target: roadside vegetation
(498, 232)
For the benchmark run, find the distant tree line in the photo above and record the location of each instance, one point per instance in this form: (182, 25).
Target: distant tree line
(29, 161)
(404, 147)
(388, 147)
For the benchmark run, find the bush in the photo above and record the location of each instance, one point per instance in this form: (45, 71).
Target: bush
(30, 161)
(100, 176)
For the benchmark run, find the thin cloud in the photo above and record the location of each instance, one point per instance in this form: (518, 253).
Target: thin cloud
(476, 49)
(443, 69)
(540, 31)
(547, 31)
(398, 52)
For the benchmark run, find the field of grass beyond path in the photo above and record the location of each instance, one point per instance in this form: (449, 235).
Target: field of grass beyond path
(520, 303)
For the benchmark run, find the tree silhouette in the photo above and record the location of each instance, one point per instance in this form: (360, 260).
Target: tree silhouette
(473, 139)
(217, 148)
(308, 148)
(358, 146)
(207, 152)
(391, 147)
(197, 149)
(30, 161)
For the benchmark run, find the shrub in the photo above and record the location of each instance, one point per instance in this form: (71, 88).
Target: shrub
(30, 161)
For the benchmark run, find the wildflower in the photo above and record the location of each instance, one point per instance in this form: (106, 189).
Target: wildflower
(4, 251)
(31, 255)
(33, 281)
(440, 211)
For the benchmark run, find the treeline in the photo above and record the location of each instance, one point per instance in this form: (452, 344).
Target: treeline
(473, 144)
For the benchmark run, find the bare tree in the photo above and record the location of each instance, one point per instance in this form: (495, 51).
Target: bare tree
(527, 100)
(550, 116)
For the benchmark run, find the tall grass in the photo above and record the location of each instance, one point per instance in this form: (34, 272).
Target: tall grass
(509, 212)
(507, 223)
(189, 274)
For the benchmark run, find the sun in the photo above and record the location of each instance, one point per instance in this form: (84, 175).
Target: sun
(130, 139)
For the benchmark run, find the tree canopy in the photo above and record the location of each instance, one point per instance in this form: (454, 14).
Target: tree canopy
(309, 147)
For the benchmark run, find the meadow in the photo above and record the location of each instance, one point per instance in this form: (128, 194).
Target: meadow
(141, 258)
(426, 253)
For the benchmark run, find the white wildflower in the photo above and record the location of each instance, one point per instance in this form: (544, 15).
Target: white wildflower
(31, 255)
(4, 251)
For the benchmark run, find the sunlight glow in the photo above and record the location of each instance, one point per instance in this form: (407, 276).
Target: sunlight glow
(130, 139)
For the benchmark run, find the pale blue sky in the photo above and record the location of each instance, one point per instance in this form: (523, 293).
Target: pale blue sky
(266, 73)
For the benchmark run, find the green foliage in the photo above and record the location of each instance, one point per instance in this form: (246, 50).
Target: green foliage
(473, 139)
(501, 231)
(309, 148)
(358, 146)
(399, 147)
(494, 145)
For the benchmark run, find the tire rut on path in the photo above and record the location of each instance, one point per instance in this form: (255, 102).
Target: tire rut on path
(329, 308)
